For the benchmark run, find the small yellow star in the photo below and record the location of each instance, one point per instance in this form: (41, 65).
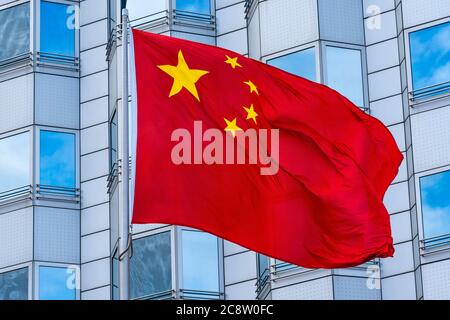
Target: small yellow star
(251, 114)
(232, 62)
(232, 126)
(183, 77)
(252, 86)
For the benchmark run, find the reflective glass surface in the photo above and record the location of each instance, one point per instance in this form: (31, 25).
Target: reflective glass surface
(301, 63)
(57, 283)
(200, 261)
(197, 6)
(114, 139)
(435, 196)
(57, 159)
(150, 266)
(344, 73)
(15, 162)
(14, 285)
(57, 29)
(430, 56)
(14, 31)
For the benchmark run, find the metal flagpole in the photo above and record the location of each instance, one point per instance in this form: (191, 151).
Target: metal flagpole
(124, 222)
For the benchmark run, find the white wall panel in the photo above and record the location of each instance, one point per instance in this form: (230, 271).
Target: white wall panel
(194, 37)
(382, 6)
(231, 18)
(95, 219)
(57, 101)
(389, 110)
(94, 192)
(225, 3)
(387, 28)
(436, 280)
(401, 287)
(341, 21)
(103, 293)
(92, 10)
(94, 35)
(231, 248)
(93, 60)
(94, 165)
(385, 83)
(279, 19)
(95, 274)
(396, 198)
(241, 291)
(94, 138)
(94, 86)
(398, 132)
(431, 136)
(94, 112)
(16, 103)
(234, 41)
(418, 11)
(240, 267)
(254, 39)
(16, 237)
(320, 289)
(57, 235)
(95, 246)
(352, 288)
(382, 55)
(401, 226)
(402, 261)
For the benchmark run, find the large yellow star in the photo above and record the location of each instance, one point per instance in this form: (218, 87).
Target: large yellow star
(252, 86)
(232, 62)
(232, 126)
(251, 113)
(183, 77)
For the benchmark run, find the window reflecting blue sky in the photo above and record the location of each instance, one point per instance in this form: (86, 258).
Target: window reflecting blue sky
(430, 56)
(15, 161)
(200, 261)
(14, 31)
(57, 159)
(14, 285)
(150, 266)
(56, 36)
(56, 283)
(344, 73)
(435, 196)
(301, 63)
(197, 6)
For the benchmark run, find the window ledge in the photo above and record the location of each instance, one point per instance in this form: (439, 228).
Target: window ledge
(16, 195)
(429, 94)
(434, 245)
(59, 194)
(57, 61)
(16, 63)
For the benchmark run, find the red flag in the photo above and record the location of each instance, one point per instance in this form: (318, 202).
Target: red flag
(268, 160)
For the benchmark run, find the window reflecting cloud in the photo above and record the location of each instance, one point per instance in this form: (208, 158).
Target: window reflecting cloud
(197, 6)
(435, 196)
(15, 161)
(14, 285)
(55, 283)
(56, 36)
(301, 63)
(14, 31)
(430, 56)
(200, 261)
(57, 159)
(150, 266)
(344, 73)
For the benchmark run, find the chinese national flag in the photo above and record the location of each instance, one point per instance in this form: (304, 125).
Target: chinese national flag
(321, 207)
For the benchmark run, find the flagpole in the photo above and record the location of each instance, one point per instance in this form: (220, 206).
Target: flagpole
(124, 222)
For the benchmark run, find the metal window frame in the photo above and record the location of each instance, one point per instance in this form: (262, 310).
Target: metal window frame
(39, 264)
(411, 90)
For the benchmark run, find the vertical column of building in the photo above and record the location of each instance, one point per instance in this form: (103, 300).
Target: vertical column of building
(94, 149)
(425, 34)
(386, 92)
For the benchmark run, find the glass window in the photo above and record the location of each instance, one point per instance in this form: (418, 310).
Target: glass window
(15, 162)
(150, 266)
(430, 56)
(14, 31)
(57, 30)
(197, 6)
(14, 285)
(57, 159)
(56, 283)
(200, 261)
(301, 63)
(344, 73)
(435, 196)
(263, 265)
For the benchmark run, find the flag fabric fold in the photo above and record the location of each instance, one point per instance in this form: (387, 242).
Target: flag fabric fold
(313, 194)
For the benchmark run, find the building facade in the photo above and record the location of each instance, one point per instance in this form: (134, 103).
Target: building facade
(60, 93)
